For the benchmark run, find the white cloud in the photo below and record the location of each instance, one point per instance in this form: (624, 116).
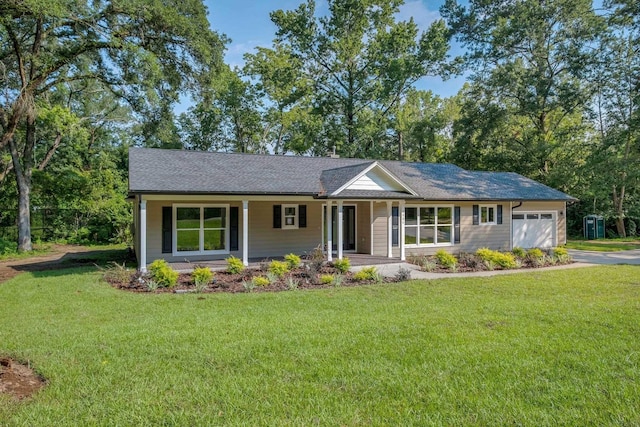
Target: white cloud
(418, 10)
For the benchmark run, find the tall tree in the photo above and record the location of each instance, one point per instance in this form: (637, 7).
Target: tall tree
(528, 59)
(361, 61)
(144, 52)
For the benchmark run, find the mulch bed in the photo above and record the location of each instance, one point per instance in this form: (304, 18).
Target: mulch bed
(233, 283)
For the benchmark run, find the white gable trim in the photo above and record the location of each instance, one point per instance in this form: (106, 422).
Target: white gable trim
(385, 172)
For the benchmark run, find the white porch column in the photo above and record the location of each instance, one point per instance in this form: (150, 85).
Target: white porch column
(389, 230)
(401, 226)
(143, 237)
(340, 229)
(329, 232)
(245, 232)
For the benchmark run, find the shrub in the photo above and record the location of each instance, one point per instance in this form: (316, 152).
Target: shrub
(272, 277)
(519, 252)
(403, 274)
(367, 273)
(202, 276)
(342, 265)
(470, 260)
(248, 285)
(292, 260)
(292, 284)
(560, 251)
(260, 281)
(279, 268)
(326, 279)
(446, 259)
(163, 274)
(316, 258)
(428, 265)
(234, 265)
(117, 273)
(151, 285)
(535, 253)
(504, 260)
(337, 280)
(490, 265)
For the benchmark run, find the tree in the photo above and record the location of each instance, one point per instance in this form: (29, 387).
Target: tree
(143, 52)
(359, 62)
(529, 59)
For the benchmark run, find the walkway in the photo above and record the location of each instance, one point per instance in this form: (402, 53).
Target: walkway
(582, 259)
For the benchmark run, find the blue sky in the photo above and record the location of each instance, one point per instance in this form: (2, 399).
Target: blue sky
(247, 24)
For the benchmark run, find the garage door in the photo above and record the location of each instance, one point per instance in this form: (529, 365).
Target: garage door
(533, 230)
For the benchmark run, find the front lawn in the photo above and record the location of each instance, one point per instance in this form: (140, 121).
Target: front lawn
(542, 348)
(604, 245)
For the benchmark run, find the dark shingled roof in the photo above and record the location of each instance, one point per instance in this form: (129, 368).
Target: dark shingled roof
(179, 171)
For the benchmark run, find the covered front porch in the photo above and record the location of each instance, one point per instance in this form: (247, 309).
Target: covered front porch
(205, 230)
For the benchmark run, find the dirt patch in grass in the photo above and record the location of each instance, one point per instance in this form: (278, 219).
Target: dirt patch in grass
(18, 380)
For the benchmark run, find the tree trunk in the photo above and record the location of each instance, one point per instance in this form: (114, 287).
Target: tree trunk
(618, 204)
(24, 193)
(400, 146)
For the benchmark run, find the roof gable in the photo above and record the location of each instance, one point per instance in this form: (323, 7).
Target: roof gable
(374, 178)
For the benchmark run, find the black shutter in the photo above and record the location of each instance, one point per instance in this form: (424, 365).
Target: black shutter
(302, 216)
(456, 224)
(476, 215)
(499, 215)
(395, 221)
(167, 220)
(277, 216)
(233, 228)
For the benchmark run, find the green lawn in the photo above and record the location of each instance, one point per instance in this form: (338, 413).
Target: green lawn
(604, 245)
(552, 348)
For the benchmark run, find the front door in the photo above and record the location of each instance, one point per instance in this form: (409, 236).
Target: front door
(348, 227)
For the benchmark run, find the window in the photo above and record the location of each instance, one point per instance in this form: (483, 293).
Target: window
(487, 214)
(200, 229)
(432, 225)
(289, 216)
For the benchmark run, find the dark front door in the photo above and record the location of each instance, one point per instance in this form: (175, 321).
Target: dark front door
(348, 228)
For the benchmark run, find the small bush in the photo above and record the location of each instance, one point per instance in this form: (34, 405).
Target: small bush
(260, 281)
(428, 265)
(117, 273)
(234, 265)
(292, 260)
(248, 285)
(446, 259)
(272, 277)
(316, 259)
(151, 285)
(292, 284)
(403, 274)
(560, 251)
(519, 252)
(279, 268)
(534, 253)
(202, 276)
(489, 265)
(467, 259)
(342, 265)
(337, 280)
(163, 274)
(367, 273)
(326, 279)
(504, 260)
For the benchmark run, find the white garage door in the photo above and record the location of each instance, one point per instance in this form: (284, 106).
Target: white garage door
(533, 229)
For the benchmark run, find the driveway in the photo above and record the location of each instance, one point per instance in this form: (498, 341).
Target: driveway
(592, 257)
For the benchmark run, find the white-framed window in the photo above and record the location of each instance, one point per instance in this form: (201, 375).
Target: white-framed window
(200, 229)
(428, 225)
(488, 214)
(290, 216)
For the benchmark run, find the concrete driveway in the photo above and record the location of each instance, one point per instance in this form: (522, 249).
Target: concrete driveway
(592, 257)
